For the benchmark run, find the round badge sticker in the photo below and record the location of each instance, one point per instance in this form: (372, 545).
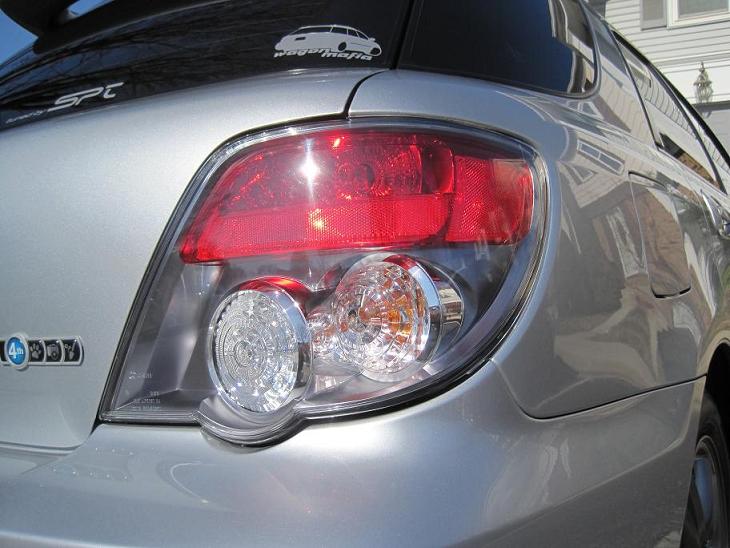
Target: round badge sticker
(16, 350)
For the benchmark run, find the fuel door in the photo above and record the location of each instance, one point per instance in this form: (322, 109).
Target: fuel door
(660, 208)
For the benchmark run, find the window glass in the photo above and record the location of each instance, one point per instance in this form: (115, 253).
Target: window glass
(653, 13)
(541, 44)
(693, 8)
(719, 157)
(158, 47)
(672, 129)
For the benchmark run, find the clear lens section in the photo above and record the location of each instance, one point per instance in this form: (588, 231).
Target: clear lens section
(331, 270)
(260, 348)
(383, 319)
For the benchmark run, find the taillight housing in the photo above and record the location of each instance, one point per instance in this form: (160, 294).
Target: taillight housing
(331, 269)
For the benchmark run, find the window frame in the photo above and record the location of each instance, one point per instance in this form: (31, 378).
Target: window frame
(694, 119)
(623, 43)
(697, 121)
(674, 20)
(685, 109)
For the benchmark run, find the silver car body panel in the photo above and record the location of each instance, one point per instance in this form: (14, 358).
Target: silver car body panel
(495, 477)
(589, 405)
(596, 332)
(85, 201)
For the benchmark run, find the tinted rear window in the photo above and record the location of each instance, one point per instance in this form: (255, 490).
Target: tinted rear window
(539, 44)
(194, 44)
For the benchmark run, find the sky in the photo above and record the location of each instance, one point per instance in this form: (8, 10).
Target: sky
(13, 37)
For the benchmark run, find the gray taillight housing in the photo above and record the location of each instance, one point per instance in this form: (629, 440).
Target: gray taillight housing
(327, 270)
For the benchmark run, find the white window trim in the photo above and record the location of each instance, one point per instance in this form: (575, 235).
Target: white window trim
(673, 19)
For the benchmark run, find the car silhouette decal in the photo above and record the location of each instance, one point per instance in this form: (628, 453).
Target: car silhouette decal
(329, 41)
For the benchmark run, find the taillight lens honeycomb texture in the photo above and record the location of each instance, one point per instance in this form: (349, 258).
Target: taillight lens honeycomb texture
(342, 190)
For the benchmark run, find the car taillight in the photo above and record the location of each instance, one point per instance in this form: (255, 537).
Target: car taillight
(343, 190)
(330, 269)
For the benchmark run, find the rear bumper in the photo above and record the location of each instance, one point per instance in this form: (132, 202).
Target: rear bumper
(465, 468)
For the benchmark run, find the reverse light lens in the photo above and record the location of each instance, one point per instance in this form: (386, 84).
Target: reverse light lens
(260, 348)
(328, 270)
(384, 318)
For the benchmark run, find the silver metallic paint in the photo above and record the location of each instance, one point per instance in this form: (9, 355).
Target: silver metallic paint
(594, 331)
(85, 199)
(589, 406)
(467, 468)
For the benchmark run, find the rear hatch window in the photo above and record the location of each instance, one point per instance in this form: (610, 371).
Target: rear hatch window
(539, 44)
(125, 50)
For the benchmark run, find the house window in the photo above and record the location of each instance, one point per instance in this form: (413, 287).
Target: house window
(653, 14)
(698, 11)
(694, 8)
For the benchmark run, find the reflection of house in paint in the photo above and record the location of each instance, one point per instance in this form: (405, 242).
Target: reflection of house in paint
(628, 254)
(678, 36)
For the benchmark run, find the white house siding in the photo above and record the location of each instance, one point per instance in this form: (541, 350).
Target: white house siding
(718, 118)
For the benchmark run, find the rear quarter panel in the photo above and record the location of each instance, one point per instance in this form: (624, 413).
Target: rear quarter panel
(594, 330)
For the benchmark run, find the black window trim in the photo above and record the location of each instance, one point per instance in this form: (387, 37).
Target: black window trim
(621, 41)
(695, 116)
(686, 110)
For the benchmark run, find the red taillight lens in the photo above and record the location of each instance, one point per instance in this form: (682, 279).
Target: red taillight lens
(354, 189)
